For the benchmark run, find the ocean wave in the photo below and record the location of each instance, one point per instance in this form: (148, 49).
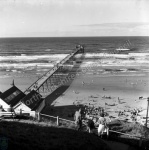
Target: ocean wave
(44, 70)
(48, 61)
(112, 62)
(113, 70)
(23, 54)
(121, 75)
(5, 76)
(139, 54)
(34, 57)
(122, 49)
(101, 55)
(50, 57)
(103, 59)
(23, 65)
(104, 49)
(48, 50)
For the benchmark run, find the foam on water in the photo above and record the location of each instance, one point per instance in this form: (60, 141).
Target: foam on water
(29, 62)
(22, 66)
(48, 50)
(102, 59)
(106, 55)
(34, 57)
(135, 59)
(116, 63)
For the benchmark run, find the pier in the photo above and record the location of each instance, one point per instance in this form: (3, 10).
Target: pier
(57, 76)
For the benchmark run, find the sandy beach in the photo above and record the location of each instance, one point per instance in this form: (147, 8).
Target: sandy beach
(114, 92)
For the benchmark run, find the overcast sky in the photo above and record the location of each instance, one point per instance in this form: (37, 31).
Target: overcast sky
(48, 18)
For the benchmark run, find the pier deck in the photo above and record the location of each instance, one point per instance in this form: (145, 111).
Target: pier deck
(53, 74)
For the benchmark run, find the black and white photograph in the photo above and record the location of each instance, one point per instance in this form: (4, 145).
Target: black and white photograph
(74, 75)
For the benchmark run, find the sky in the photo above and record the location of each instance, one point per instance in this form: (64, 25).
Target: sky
(66, 18)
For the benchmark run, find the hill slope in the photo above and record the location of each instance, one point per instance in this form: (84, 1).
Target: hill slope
(29, 136)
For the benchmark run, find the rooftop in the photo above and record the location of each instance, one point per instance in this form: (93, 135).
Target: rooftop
(12, 96)
(32, 100)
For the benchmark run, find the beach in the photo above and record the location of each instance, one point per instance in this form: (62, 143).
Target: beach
(113, 91)
(92, 90)
(107, 78)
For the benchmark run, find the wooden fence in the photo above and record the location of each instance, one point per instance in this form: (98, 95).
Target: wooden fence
(138, 140)
(57, 119)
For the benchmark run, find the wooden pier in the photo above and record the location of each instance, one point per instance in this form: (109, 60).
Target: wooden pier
(56, 76)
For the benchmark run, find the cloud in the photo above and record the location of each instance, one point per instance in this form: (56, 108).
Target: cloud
(114, 25)
(118, 29)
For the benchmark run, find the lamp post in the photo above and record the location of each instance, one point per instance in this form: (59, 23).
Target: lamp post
(147, 111)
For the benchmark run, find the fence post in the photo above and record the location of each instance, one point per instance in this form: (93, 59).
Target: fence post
(57, 120)
(38, 116)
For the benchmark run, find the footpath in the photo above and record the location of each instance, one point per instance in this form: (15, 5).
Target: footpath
(118, 146)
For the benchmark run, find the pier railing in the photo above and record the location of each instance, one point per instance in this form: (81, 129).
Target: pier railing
(40, 81)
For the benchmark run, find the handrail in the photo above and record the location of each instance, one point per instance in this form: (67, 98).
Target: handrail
(48, 116)
(56, 117)
(66, 120)
(130, 135)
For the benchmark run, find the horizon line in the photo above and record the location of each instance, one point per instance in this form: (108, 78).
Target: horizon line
(74, 36)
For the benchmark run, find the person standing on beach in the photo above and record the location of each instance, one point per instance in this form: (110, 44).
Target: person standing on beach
(78, 119)
(102, 124)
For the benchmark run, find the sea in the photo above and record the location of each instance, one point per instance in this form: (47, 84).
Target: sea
(32, 57)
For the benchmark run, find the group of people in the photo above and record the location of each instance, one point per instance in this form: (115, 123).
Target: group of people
(91, 110)
(134, 113)
(91, 124)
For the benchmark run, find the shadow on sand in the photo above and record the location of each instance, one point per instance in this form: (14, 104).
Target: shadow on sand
(66, 112)
(62, 111)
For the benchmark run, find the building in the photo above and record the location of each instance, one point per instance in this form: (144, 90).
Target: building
(11, 97)
(32, 104)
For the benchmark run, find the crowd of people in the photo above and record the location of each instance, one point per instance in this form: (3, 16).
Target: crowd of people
(93, 119)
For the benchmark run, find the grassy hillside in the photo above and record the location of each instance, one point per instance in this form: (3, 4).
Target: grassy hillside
(25, 136)
(132, 129)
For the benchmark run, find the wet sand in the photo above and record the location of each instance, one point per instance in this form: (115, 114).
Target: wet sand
(21, 82)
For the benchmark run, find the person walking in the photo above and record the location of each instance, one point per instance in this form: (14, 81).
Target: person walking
(90, 125)
(78, 119)
(102, 125)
